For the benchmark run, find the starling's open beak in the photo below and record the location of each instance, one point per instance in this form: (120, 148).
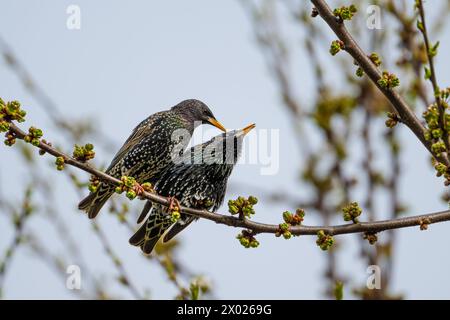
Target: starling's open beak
(216, 124)
(248, 128)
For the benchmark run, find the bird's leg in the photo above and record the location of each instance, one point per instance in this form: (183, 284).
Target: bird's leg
(138, 189)
(174, 204)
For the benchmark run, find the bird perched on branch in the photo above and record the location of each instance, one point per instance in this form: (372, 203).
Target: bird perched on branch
(198, 180)
(151, 147)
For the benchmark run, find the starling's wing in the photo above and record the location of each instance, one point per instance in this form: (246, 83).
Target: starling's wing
(145, 211)
(141, 130)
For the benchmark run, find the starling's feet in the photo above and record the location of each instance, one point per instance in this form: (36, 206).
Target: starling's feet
(174, 204)
(138, 189)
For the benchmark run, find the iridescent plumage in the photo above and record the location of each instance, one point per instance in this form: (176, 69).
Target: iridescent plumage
(149, 149)
(198, 180)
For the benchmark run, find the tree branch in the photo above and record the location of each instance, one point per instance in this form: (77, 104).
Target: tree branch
(405, 112)
(433, 78)
(256, 227)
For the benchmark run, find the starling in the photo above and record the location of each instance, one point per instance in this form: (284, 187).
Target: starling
(197, 180)
(149, 149)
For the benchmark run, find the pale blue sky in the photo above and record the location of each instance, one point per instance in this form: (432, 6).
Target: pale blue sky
(131, 60)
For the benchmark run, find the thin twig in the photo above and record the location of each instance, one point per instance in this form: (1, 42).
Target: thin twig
(351, 46)
(123, 276)
(257, 227)
(433, 79)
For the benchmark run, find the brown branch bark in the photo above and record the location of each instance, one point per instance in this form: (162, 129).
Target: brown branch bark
(433, 78)
(256, 227)
(405, 112)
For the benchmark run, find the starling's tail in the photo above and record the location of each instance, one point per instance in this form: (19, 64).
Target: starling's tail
(95, 200)
(178, 227)
(149, 233)
(147, 207)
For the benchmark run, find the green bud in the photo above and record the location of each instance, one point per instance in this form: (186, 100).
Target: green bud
(233, 209)
(351, 212)
(10, 142)
(388, 80)
(244, 242)
(427, 75)
(247, 211)
(324, 241)
(287, 235)
(390, 123)
(339, 290)
(59, 161)
(300, 212)
(336, 46)
(252, 200)
(284, 227)
(287, 217)
(175, 216)
(375, 58)
(240, 201)
(345, 13)
(130, 182)
(119, 190)
(436, 133)
(147, 186)
(4, 126)
(254, 243)
(438, 147)
(131, 194)
(371, 237)
(441, 169)
(433, 50)
(359, 72)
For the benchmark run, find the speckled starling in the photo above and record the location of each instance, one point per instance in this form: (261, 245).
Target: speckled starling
(150, 147)
(198, 180)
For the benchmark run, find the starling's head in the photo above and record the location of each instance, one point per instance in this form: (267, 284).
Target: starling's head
(239, 134)
(196, 112)
(225, 148)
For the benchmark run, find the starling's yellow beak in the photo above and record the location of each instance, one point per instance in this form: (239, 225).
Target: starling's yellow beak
(216, 124)
(248, 128)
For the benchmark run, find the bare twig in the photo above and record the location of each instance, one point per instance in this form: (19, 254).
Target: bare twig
(257, 227)
(123, 276)
(433, 79)
(351, 46)
(19, 220)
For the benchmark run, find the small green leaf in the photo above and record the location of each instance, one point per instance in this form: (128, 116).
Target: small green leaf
(427, 73)
(338, 290)
(433, 50)
(420, 25)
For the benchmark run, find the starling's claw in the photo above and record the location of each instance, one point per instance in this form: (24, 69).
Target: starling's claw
(174, 204)
(138, 189)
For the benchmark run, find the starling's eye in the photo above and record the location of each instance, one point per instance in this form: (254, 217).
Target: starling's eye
(207, 113)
